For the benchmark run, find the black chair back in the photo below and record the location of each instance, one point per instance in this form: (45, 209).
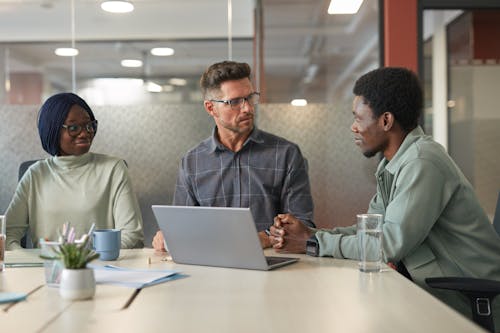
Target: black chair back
(23, 167)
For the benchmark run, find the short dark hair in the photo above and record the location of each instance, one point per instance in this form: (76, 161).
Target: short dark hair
(52, 115)
(220, 72)
(392, 89)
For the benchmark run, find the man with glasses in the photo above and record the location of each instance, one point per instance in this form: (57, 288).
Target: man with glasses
(240, 165)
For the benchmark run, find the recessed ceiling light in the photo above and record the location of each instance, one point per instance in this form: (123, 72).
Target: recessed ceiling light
(117, 6)
(162, 51)
(131, 63)
(344, 6)
(299, 102)
(66, 52)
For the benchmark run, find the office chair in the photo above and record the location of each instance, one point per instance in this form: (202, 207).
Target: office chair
(480, 292)
(23, 167)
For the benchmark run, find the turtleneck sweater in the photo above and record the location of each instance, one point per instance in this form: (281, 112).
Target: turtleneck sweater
(81, 190)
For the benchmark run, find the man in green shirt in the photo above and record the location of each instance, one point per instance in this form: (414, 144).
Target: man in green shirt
(433, 223)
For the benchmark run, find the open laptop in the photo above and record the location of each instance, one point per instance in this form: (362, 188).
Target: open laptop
(214, 236)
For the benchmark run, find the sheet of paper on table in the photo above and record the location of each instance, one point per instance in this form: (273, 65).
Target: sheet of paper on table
(134, 278)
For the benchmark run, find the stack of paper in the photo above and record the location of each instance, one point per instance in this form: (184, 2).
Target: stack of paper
(134, 278)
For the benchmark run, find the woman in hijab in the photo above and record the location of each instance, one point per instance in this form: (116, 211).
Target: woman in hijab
(73, 185)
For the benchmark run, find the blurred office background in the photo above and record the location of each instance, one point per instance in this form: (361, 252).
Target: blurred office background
(151, 114)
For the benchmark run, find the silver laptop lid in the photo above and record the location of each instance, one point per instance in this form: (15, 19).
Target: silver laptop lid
(212, 236)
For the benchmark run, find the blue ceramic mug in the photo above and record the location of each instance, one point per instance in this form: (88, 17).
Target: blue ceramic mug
(107, 243)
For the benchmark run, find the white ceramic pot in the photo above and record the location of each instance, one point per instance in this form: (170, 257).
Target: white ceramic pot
(77, 284)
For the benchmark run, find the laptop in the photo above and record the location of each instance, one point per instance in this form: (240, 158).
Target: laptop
(214, 236)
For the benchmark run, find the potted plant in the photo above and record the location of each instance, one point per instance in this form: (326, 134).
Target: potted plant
(77, 280)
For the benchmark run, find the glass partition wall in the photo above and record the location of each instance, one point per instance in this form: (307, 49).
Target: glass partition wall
(461, 69)
(152, 114)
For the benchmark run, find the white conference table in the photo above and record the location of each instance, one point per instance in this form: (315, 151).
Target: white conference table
(313, 295)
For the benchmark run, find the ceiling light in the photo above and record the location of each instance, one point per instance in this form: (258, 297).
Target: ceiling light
(66, 52)
(299, 102)
(117, 6)
(344, 6)
(177, 81)
(131, 63)
(162, 51)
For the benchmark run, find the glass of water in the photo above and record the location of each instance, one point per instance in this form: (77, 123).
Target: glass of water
(369, 234)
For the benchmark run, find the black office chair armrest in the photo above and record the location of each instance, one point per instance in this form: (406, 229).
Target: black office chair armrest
(480, 292)
(465, 284)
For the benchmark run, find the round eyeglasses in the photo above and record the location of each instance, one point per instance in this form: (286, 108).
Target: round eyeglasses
(75, 129)
(237, 103)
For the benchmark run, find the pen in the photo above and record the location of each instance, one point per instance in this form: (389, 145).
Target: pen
(89, 235)
(91, 230)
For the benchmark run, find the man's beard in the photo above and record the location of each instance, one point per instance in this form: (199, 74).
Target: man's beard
(374, 151)
(370, 153)
(235, 128)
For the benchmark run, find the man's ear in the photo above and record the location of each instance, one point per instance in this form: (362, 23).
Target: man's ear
(388, 121)
(209, 107)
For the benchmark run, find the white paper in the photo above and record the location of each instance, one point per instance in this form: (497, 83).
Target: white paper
(136, 278)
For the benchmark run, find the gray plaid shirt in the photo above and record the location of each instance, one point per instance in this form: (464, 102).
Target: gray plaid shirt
(269, 175)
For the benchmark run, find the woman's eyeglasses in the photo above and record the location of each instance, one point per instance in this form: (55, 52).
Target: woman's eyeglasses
(237, 103)
(75, 129)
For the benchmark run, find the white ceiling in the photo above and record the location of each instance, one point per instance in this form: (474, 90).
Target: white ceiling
(50, 20)
(307, 53)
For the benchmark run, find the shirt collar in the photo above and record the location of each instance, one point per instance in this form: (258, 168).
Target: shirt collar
(395, 163)
(72, 161)
(215, 144)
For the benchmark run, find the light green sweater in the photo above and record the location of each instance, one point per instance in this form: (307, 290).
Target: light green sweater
(86, 189)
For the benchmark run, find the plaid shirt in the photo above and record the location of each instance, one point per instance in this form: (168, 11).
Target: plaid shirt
(269, 175)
